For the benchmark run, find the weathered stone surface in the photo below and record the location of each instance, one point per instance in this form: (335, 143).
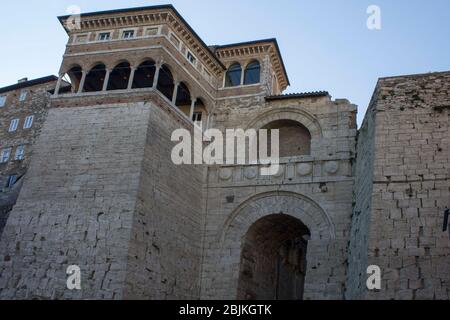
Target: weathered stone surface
(103, 193)
(405, 142)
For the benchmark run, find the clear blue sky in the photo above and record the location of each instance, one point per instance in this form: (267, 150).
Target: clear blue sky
(325, 43)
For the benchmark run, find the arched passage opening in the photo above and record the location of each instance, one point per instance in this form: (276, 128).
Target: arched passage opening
(223, 264)
(273, 259)
(71, 80)
(295, 138)
(166, 83)
(95, 78)
(144, 75)
(119, 77)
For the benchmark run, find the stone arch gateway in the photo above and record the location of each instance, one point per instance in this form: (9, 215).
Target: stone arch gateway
(273, 259)
(230, 243)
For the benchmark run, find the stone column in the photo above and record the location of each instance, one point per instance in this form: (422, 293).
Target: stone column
(58, 85)
(208, 121)
(83, 80)
(242, 76)
(175, 93)
(130, 81)
(191, 113)
(155, 81)
(106, 81)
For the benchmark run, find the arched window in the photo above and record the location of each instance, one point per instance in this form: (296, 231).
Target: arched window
(144, 75)
(165, 82)
(252, 73)
(233, 75)
(183, 98)
(119, 77)
(295, 139)
(71, 80)
(95, 78)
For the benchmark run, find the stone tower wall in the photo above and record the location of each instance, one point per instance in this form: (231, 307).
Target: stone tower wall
(411, 187)
(165, 249)
(362, 202)
(77, 204)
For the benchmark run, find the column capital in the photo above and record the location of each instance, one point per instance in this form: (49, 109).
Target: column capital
(159, 63)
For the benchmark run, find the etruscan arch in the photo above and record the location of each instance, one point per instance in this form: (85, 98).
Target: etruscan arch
(318, 229)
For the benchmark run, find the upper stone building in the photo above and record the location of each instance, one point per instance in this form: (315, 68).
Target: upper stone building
(102, 191)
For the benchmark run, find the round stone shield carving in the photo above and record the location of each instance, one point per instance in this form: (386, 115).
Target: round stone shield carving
(332, 167)
(304, 169)
(225, 174)
(251, 173)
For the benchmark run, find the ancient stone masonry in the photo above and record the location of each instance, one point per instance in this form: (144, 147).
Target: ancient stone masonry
(316, 189)
(399, 210)
(101, 190)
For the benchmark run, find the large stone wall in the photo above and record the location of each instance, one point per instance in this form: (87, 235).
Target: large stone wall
(362, 204)
(411, 187)
(166, 243)
(77, 205)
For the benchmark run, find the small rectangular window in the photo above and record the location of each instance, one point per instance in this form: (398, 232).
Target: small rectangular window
(20, 153)
(191, 58)
(23, 96)
(197, 119)
(128, 34)
(12, 179)
(2, 101)
(28, 122)
(14, 125)
(6, 153)
(104, 36)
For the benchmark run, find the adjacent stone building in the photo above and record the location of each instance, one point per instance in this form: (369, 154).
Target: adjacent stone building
(23, 108)
(103, 193)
